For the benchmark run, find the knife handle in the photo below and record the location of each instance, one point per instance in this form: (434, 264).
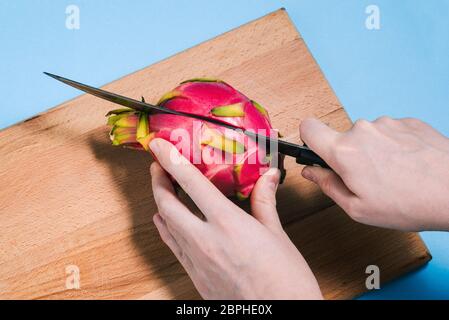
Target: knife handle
(309, 158)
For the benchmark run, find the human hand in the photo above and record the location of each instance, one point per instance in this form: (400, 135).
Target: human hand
(231, 255)
(388, 173)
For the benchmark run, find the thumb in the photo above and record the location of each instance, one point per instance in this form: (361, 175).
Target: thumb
(263, 200)
(331, 185)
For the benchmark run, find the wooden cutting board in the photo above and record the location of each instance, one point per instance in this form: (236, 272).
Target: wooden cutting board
(71, 202)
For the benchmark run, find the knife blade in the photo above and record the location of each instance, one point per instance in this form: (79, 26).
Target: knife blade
(303, 154)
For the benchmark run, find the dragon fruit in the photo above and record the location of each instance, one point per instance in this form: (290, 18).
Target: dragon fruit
(229, 159)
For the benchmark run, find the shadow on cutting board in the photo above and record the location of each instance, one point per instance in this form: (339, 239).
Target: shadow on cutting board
(130, 171)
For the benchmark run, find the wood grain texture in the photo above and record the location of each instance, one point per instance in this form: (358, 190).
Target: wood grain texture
(69, 198)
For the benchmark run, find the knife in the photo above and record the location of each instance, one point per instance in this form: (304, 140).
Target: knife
(301, 153)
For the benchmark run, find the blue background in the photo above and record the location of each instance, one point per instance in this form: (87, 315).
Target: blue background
(400, 70)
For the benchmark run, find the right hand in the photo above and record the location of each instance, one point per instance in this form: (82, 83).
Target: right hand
(387, 173)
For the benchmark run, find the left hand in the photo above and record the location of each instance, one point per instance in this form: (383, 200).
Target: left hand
(231, 255)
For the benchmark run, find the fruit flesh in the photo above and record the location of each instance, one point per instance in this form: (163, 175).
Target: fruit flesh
(229, 159)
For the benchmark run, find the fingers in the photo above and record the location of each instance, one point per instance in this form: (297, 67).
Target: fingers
(413, 123)
(426, 132)
(332, 185)
(206, 196)
(171, 242)
(170, 207)
(263, 200)
(319, 137)
(166, 236)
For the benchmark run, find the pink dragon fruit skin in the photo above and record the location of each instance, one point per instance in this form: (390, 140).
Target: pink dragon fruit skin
(230, 160)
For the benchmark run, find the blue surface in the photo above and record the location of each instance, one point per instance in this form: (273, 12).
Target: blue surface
(400, 70)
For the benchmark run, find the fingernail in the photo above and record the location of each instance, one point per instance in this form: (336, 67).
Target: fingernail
(154, 146)
(273, 175)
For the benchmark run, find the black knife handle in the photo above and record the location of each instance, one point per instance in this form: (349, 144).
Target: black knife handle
(309, 158)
